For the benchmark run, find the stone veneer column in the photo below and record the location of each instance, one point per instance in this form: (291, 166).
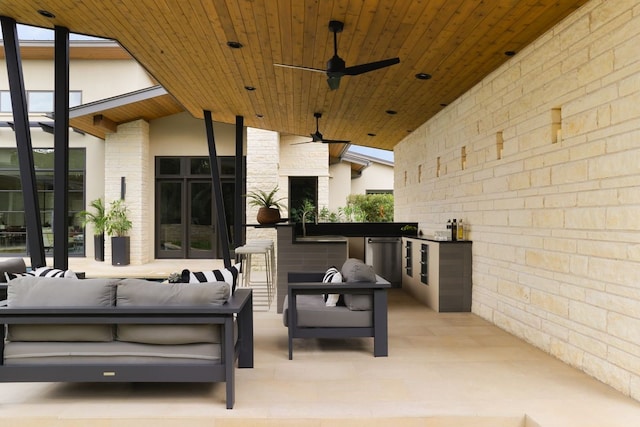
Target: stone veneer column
(127, 155)
(263, 153)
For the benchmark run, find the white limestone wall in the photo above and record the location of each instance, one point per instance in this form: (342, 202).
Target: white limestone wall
(305, 160)
(550, 189)
(263, 153)
(127, 155)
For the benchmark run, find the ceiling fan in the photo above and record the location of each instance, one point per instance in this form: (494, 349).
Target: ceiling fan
(336, 67)
(317, 136)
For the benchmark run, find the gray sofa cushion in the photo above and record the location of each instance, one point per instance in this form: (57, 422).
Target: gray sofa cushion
(136, 292)
(31, 291)
(11, 265)
(112, 353)
(312, 312)
(354, 270)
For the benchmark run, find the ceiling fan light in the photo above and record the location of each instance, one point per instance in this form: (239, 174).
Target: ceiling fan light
(334, 82)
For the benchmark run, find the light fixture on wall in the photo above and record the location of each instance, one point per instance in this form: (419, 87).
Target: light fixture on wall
(123, 187)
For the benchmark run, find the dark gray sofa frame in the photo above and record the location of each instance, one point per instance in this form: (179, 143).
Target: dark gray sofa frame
(238, 308)
(310, 283)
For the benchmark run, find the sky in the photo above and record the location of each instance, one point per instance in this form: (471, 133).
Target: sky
(34, 33)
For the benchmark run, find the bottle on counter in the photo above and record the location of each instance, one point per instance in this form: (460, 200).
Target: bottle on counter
(460, 230)
(449, 227)
(454, 230)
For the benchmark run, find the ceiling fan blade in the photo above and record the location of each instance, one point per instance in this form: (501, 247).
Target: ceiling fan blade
(298, 143)
(335, 141)
(371, 66)
(317, 70)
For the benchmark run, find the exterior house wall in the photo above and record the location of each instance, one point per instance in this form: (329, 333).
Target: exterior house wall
(549, 189)
(86, 75)
(376, 176)
(340, 173)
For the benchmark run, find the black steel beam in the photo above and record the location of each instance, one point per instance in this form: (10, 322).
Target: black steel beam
(23, 141)
(61, 151)
(238, 208)
(223, 233)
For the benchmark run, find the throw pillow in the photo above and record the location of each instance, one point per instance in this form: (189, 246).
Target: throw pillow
(11, 276)
(11, 265)
(229, 275)
(332, 276)
(54, 272)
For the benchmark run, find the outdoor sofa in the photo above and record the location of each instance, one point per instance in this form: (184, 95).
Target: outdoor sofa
(360, 310)
(129, 330)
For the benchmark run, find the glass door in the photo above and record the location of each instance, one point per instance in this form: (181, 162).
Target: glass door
(201, 230)
(171, 224)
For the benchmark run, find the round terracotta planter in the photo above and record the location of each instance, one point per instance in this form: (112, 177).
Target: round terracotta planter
(268, 216)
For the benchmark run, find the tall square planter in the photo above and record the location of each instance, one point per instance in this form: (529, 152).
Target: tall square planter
(98, 244)
(120, 250)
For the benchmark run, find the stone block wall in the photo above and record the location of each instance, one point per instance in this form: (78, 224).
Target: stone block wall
(127, 155)
(263, 153)
(542, 161)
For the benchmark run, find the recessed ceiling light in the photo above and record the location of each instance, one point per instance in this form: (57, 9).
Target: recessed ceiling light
(234, 45)
(423, 76)
(510, 53)
(371, 134)
(443, 105)
(46, 13)
(250, 88)
(259, 116)
(391, 112)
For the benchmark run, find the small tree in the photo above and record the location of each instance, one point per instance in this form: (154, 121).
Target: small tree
(97, 219)
(117, 219)
(373, 207)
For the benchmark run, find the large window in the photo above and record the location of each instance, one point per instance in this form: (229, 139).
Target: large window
(186, 218)
(13, 233)
(38, 101)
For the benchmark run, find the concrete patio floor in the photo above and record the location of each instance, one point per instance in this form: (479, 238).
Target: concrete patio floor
(443, 370)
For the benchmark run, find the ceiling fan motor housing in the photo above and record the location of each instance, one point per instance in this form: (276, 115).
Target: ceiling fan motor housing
(335, 65)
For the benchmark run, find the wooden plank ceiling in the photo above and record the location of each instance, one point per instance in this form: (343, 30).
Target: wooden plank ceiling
(183, 45)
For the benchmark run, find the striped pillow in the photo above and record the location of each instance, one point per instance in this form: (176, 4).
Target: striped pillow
(54, 272)
(229, 275)
(11, 276)
(332, 276)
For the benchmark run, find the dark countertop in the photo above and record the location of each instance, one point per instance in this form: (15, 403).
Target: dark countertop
(357, 229)
(432, 239)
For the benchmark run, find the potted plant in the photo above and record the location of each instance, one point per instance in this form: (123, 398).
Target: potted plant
(98, 220)
(269, 206)
(117, 226)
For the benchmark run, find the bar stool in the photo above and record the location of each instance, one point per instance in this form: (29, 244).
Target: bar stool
(268, 243)
(246, 255)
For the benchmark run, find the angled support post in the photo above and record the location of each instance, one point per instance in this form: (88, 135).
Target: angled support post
(238, 211)
(223, 232)
(61, 151)
(23, 141)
